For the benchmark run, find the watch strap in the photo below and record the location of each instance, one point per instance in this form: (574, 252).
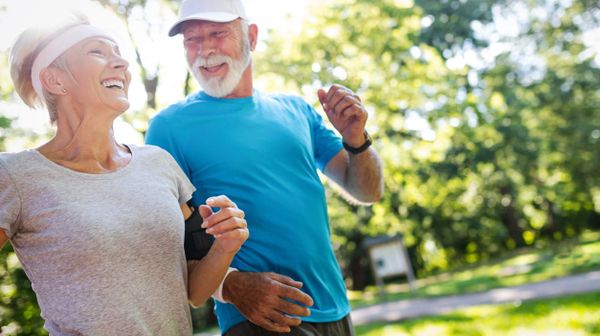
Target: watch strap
(361, 148)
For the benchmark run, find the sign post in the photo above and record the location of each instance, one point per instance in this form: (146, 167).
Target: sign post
(389, 258)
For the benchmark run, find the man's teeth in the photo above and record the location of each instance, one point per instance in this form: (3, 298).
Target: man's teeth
(209, 66)
(113, 83)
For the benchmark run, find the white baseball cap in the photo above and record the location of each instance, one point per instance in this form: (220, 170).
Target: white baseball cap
(208, 10)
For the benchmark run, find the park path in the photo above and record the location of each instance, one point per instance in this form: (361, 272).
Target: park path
(411, 308)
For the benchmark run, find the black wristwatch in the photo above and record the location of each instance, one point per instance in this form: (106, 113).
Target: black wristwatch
(361, 148)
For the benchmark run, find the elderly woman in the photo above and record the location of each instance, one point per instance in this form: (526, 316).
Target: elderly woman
(99, 226)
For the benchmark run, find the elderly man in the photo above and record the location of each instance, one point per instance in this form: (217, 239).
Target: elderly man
(263, 151)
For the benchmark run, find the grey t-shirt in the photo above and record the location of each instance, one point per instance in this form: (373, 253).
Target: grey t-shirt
(104, 252)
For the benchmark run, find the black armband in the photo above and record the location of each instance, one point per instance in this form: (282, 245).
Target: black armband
(197, 242)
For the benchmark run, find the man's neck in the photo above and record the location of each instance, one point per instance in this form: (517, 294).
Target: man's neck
(245, 87)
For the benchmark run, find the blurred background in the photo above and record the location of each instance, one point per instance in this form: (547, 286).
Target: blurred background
(486, 114)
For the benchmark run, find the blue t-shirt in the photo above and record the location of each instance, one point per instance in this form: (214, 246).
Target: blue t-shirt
(263, 152)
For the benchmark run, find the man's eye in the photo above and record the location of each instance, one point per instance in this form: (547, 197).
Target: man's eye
(96, 51)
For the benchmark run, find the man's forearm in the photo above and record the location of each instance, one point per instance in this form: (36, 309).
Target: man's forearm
(364, 176)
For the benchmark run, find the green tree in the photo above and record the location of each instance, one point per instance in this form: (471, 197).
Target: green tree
(19, 312)
(489, 168)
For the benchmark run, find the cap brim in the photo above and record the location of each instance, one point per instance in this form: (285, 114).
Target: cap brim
(207, 16)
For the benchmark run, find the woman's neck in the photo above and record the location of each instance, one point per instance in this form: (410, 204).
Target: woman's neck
(86, 143)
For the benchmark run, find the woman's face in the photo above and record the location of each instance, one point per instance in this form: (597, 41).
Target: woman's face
(99, 75)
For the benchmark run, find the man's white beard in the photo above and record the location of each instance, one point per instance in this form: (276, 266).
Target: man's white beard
(221, 87)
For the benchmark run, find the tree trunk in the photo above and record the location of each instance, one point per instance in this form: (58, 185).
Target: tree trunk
(510, 219)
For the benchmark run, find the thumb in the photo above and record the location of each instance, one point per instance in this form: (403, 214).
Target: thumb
(205, 211)
(322, 98)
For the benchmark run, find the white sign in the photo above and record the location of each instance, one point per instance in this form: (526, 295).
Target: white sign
(388, 259)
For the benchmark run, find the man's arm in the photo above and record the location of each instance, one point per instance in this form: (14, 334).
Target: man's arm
(360, 175)
(267, 299)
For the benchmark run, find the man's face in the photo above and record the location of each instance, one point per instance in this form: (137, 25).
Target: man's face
(217, 53)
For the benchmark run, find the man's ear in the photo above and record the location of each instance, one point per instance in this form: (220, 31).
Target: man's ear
(253, 35)
(52, 81)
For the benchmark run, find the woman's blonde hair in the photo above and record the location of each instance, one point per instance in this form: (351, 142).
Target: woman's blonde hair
(24, 52)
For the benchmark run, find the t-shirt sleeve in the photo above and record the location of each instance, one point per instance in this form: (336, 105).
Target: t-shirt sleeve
(184, 187)
(10, 202)
(326, 142)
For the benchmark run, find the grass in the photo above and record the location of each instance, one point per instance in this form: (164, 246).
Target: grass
(525, 266)
(571, 315)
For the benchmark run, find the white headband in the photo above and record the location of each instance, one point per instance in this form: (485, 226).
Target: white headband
(59, 45)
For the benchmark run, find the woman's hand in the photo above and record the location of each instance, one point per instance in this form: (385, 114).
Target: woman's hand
(227, 225)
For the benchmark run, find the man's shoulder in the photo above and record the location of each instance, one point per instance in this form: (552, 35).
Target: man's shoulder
(286, 98)
(290, 102)
(176, 108)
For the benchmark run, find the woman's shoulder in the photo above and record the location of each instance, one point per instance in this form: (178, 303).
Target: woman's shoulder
(150, 152)
(15, 160)
(18, 167)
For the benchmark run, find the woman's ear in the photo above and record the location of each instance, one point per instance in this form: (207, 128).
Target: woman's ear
(52, 81)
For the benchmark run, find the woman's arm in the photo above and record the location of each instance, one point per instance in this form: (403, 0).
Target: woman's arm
(229, 228)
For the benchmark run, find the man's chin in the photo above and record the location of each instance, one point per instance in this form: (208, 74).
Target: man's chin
(217, 87)
(216, 91)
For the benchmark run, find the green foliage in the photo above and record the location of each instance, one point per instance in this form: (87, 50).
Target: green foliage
(572, 315)
(203, 316)
(449, 22)
(479, 160)
(19, 312)
(507, 153)
(513, 269)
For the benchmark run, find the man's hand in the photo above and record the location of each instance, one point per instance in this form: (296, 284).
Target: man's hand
(269, 300)
(227, 225)
(346, 112)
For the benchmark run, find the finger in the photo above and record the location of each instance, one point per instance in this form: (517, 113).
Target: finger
(297, 295)
(205, 211)
(285, 280)
(230, 224)
(335, 88)
(279, 318)
(222, 215)
(240, 234)
(220, 201)
(323, 99)
(290, 308)
(290, 289)
(337, 97)
(346, 102)
(331, 115)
